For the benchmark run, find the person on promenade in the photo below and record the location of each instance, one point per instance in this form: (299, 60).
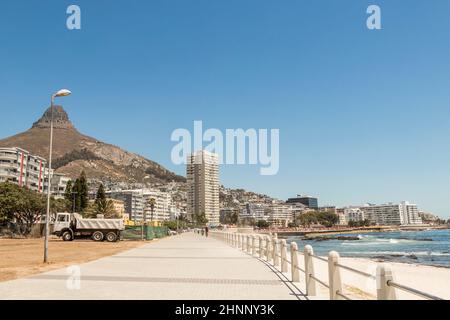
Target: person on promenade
(206, 231)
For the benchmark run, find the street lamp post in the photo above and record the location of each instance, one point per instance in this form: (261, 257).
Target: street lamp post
(60, 93)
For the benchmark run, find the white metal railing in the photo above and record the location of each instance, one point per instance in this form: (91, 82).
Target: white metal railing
(275, 251)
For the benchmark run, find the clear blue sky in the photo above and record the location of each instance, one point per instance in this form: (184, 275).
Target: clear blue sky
(364, 116)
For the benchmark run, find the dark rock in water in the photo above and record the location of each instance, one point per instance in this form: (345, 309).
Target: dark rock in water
(348, 238)
(333, 238)
(415, 239)
(412, 256)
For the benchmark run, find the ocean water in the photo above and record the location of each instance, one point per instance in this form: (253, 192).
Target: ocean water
(431, 247)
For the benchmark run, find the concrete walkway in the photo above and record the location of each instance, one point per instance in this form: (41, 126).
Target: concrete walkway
(187, 266)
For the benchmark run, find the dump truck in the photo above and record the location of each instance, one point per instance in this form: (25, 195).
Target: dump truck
(70, 226)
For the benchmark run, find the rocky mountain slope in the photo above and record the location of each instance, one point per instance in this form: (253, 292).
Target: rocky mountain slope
(74, 152)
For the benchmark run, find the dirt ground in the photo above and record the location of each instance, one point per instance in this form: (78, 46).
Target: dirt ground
(23, 257)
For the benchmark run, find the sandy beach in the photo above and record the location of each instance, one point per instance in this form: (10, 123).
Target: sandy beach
(433, 280)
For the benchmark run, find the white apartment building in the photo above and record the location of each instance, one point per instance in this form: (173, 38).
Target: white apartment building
(281, 214)
(254, 211)
(59, 184)
(404, 213)
(354, 214)
(410, 213)
(203, 186)
(22, 168)
(162, 207)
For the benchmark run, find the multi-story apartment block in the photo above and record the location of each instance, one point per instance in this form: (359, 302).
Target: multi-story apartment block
(404, 213)
(255, 212)
(203, 186)
(20, 167)
(162, 205)
(119, 206)
(133, 201)
(59, 184)
(354, 214)
(281, 214)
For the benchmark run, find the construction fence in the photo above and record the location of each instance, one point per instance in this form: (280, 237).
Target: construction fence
(148, 232)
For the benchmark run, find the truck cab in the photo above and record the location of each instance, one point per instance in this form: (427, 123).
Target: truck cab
(62, 223)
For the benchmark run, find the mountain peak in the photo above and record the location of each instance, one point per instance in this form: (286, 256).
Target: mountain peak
(60, 119)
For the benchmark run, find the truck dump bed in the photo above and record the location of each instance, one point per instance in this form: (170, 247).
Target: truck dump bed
(106, 224)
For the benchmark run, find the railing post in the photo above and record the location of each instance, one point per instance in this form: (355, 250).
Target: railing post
(384, 290)
(253, 245)
(261, 246)
(268, 248)
(309, 271)
(295, 274)
(276, 255)
(274, 248)
(334, 276)
(284, 263)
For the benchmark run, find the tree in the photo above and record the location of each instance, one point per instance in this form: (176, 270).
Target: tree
(80, 189)
(108, 210)
(152, 203)
(25, 206)
(172, 224)
(68, 196)
(200, 219)
(231, 217)
(327, 218)
(101, 206)
(100, 200)
(59, 205)
(308, 218)
(9, 195)
(83, 191)
(31, 206)
(262, 224)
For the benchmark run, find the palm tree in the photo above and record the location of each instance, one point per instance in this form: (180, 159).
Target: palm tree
(152, 203)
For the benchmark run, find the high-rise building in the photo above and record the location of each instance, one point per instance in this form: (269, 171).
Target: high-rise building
(203, 186)
(310, 202)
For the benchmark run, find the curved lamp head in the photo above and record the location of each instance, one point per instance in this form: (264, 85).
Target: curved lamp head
(62, 93)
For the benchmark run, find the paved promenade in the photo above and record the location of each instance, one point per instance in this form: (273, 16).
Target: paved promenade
(187, 266)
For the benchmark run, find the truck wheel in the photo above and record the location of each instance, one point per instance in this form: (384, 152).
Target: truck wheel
(111, 237)
(97, 236)
(67, 236)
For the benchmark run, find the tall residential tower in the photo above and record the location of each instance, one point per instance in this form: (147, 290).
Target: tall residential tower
(203, 186)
